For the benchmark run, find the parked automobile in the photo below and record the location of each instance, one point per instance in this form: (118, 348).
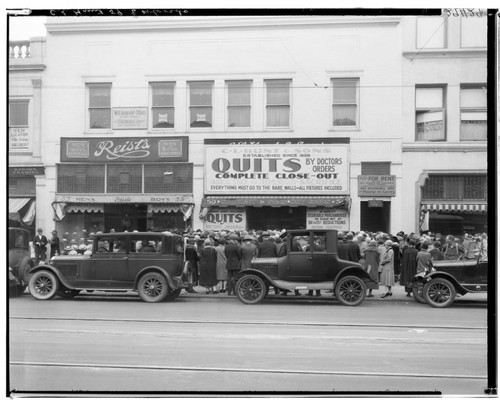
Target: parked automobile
(150, 263)
(447, 278)
(311, 263)
(20, 262)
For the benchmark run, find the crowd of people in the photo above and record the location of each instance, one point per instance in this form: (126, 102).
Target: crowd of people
(217, 256)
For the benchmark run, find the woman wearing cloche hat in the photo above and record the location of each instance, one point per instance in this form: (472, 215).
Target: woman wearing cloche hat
(387, 275)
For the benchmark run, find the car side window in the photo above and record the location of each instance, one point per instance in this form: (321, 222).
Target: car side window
(179, 246)
(146, 245)
(299, 242)
(319, 243)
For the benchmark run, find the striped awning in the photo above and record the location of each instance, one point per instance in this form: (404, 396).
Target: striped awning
(276, 201)
(85, 208)
(461, 208)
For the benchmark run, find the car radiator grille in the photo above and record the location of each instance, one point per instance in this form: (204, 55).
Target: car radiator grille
(269, 270)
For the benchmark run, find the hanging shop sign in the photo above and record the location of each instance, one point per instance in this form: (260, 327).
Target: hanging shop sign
(225, 218)
(281, 168)
(130, 118)
(375, 203)
(124, 198)
(26, 171)
(376, 185)
(327, 219)
(143, 149)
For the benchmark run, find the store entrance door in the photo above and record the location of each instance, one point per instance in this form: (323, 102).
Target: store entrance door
(374, 219)
(125, 217)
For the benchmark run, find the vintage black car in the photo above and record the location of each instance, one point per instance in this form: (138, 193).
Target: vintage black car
(439, 286)
(150, 263)
(20, 262)
(311, 263)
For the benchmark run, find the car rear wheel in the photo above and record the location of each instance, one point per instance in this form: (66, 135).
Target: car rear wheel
(251, 289)
(439, 293)
(43, 285)
(418, 291)
(153, 287)
(350, 290)
(24, 268)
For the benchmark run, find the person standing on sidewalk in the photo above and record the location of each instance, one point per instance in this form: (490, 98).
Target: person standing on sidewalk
(409, 266)
(40, 243)
(372, 261)
(221, 264)
(387, 275)
(233, 263)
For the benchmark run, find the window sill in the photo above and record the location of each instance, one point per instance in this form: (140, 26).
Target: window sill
(346, 129)
(99, 131)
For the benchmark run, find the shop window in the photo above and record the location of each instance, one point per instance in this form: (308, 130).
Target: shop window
(345, 106)
(455, 187)
(278, 103)
(375, 168)
(162, 105)
(99, 105)
(473, 31)
(238, 104)
(473, 113)
(19, 125)
(430, 113)
(431, 32)
(200, 104)
(124, 178)
(80, 178)
(168, 178)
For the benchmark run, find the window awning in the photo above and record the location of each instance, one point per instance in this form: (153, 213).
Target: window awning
(454, 208)
(85, 208)
(16, 205)
(276, 201)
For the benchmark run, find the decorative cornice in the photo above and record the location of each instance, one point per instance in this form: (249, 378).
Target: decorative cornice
(79, 25)
(444, 147)
(445, 53)
(27, 67)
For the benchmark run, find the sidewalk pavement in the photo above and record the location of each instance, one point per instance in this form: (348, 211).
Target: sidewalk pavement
(398, 294)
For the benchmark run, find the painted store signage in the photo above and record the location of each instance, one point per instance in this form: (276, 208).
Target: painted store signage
(225, 218)
(144, 149)
(130, 118)
(321, 218)
(320, 168)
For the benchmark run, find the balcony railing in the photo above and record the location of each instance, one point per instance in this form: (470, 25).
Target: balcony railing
(20, 49)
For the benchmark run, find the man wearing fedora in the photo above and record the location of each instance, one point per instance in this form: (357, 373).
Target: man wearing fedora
(40, 243)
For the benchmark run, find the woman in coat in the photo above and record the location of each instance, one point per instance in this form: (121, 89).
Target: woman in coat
(371, 262)
(208, 266)
(221, 264)
(387, 275)
(233, 265)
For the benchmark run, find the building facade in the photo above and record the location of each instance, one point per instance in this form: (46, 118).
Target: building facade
(445, 123)
(26, 166)
(248, 123)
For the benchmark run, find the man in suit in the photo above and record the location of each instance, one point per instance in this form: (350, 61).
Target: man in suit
(40, 243)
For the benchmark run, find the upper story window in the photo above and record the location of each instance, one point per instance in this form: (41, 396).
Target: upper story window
(456, 187)
(430, 113)
(238, 104)
(99, 103)
(162, 105)
(200, 104)
(473, 112)
(19, 139)
(345, 105)
(473, 32)
(431, 32)
(278, 103)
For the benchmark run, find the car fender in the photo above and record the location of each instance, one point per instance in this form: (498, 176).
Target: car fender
(250, 271)
(354, 270)
(153, 268)
(439, 274)
(48, 267)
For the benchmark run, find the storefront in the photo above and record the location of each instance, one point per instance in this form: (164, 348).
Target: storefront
(276, 184)
(125, 184)
(22, 196)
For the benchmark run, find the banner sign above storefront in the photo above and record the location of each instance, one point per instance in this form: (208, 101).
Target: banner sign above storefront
(26, 171)
(125, 198)
(328, 219)
(225, 218)
(130, 118)
(376, 185)
(305, 168)
(110, 149)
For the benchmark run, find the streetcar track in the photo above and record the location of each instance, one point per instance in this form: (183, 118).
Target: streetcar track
(228, 322)
(244, 370)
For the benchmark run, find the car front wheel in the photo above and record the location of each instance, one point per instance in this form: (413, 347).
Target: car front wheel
(153, 287)
(439, 293)
(43, 285)
(350, 290)
(251, 289)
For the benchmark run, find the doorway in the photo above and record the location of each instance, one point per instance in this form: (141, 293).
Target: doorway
(125, 217)
(374, 219)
